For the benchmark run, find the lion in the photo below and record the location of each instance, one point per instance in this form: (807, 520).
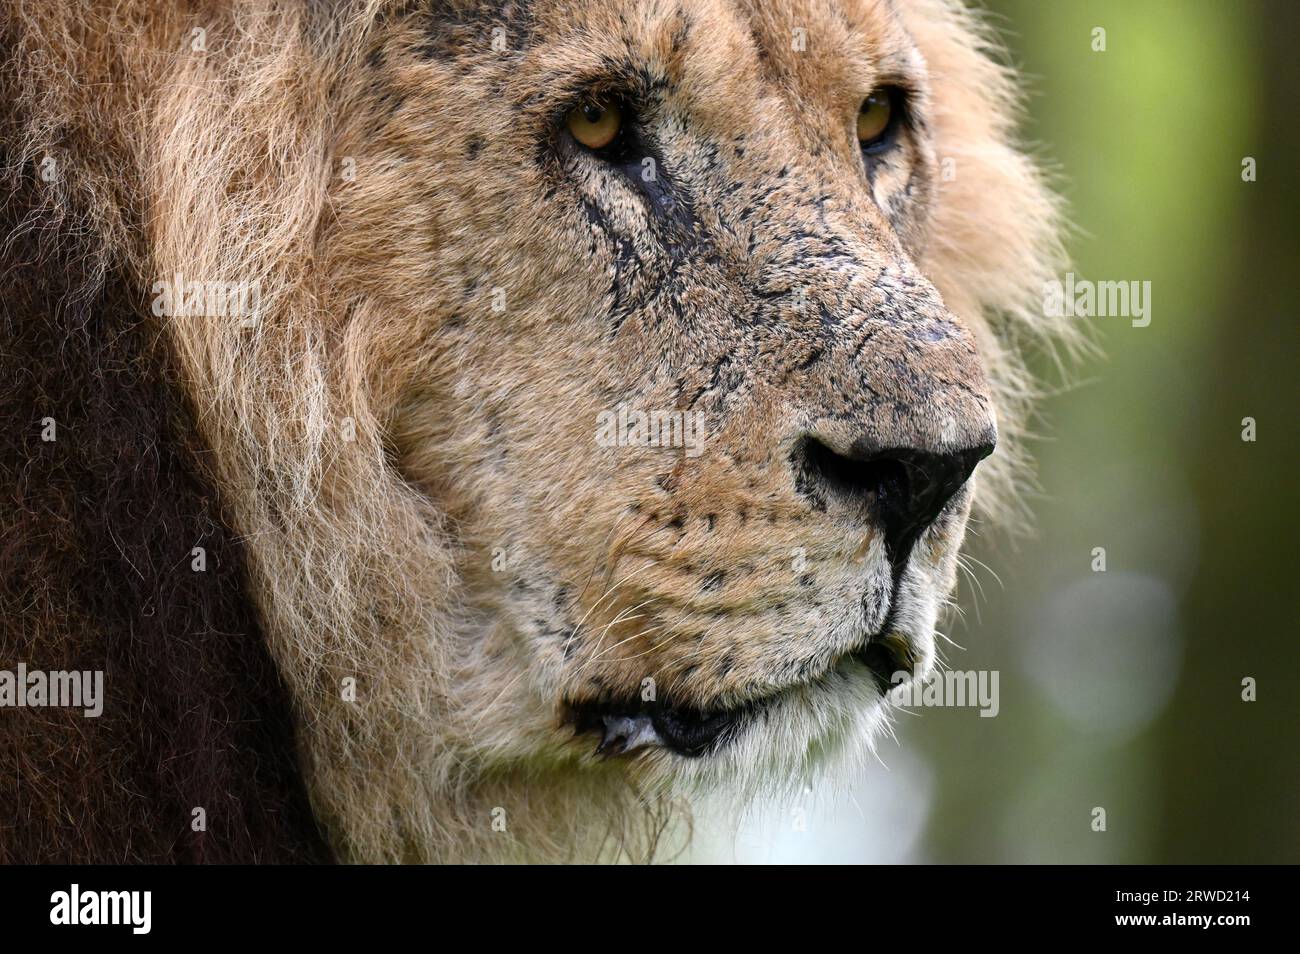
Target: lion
(472, 432)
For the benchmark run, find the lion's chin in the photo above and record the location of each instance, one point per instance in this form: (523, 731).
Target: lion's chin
(622, 727)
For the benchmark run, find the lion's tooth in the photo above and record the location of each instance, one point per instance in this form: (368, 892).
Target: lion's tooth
(626, 734)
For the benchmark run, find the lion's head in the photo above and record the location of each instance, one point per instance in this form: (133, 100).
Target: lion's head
(621, 382)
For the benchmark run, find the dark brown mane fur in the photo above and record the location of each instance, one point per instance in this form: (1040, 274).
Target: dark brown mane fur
(96, 530)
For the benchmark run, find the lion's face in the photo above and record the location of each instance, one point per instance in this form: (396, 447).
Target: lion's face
(731, 275)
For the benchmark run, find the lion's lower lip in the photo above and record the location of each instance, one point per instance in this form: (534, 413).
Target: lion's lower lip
(624, 728)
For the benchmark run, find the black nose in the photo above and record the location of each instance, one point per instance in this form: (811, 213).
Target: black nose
(902, 488)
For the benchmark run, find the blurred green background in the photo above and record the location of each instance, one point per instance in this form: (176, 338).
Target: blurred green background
(1123, 689)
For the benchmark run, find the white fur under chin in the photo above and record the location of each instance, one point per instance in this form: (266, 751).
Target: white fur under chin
(824, 732)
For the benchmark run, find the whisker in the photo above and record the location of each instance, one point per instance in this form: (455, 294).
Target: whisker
(621, 617)
(578, 627)
(985, 566)
(644, 632)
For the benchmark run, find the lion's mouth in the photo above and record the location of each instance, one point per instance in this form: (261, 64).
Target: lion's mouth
(624, 727)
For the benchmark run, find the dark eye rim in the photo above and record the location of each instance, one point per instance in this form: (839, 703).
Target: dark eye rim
(887, 138)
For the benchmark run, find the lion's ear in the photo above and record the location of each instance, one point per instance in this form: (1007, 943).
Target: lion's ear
(995, 237)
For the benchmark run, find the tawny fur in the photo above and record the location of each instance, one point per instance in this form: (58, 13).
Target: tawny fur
(382, 432)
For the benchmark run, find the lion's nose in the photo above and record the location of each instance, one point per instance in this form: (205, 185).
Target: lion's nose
(904, 489)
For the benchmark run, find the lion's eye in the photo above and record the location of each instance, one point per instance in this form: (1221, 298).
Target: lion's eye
(875, 119)
(595, 125)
